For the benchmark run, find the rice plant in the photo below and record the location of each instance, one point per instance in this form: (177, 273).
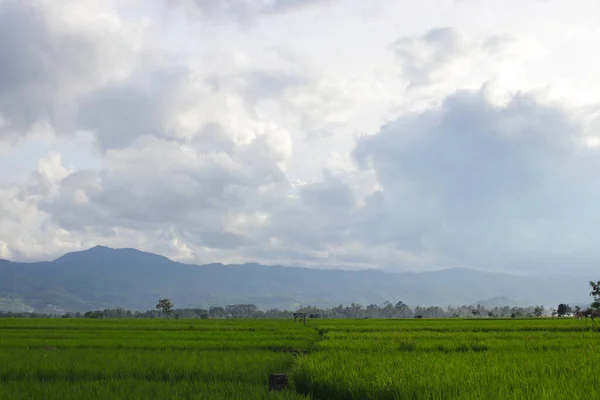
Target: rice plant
(452, 359)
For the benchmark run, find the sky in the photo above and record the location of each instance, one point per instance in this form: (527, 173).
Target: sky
(392, 134)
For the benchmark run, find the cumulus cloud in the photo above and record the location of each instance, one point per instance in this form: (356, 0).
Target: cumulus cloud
(160, 184)
(26, 232)
(56, 53)
(484, 186)
(470, 183)
(187, 153)
(216, 145)
(121, 111)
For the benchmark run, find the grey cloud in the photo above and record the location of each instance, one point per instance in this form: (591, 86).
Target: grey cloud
(56, 75)
(468, 184)
(41, 67)
(122, 111)
(319, 216)
(287, 5)
(118, 114)
(482, 185)
(245, 10)
(272, 84)
(195, 199)
(257, 85)
(421, 58)
(497, 44)
(213, 238)
(212, 138)
(154, 186)
(33, 61)
(328, 196)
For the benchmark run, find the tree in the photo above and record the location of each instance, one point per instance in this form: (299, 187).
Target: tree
(403, 310)
(244, 310)
(538, 311)
(165, 306)
(563, 309)
(372, 311)
(595, 293)
(93, 314)
(217, 312)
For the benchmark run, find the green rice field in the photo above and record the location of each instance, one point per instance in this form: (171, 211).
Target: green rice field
(338, 359)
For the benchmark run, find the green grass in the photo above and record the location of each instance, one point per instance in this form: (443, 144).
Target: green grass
(346, 359)
(130, 389)
(131, 359)
(452, 359)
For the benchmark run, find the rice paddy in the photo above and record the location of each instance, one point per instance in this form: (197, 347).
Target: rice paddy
(345, 359)
(452, 359)
(142, 359)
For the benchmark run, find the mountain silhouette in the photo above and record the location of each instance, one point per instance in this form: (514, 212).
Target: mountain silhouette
(102, 277)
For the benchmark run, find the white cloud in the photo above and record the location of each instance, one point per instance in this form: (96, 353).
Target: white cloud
(277, 131)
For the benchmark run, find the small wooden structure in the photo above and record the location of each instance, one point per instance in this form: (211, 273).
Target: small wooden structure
(278, 381)
(300, 316)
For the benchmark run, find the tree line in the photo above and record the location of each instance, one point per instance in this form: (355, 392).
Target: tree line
(386, 310)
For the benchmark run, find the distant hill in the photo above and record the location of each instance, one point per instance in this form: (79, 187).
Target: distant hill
(499, 301)
(102, 277)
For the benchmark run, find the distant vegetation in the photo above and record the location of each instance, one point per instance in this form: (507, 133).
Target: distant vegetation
(388, 310)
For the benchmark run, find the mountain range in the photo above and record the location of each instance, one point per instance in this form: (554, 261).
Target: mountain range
(103, 277)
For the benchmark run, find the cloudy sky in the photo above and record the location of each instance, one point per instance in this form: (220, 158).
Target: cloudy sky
(390, 134)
